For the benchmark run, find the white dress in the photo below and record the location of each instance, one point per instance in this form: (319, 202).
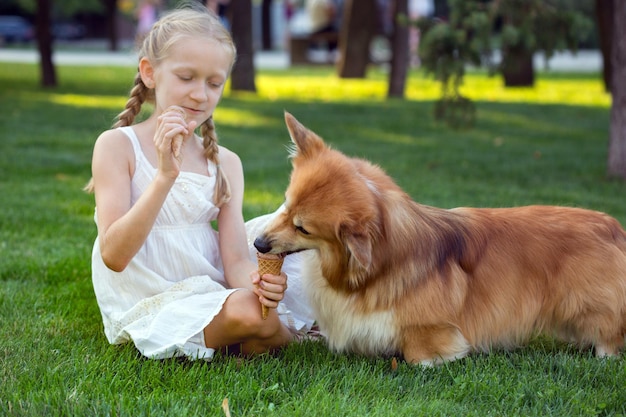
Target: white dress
(175, 285)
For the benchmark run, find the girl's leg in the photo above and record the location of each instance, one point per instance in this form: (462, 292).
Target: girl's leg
(240, 322)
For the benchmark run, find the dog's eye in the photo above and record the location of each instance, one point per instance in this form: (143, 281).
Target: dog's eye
(302, 230)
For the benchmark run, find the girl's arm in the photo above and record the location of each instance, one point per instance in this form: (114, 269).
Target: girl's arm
(123, 228)
(239, 270)
(232, 233)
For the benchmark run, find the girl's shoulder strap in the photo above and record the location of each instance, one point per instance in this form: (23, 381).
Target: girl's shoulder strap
(132, 136)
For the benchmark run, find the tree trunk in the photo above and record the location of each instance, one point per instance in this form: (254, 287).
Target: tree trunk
(617, 135)
(400, 51)
(266, 25)
(110, 7)
(604, 20)
(44, 44)
(242, 77)
(357, 29)
(518, 70)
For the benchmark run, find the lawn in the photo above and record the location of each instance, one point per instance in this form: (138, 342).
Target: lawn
(545, 145)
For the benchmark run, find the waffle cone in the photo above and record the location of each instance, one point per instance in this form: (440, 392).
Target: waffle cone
(268, 264)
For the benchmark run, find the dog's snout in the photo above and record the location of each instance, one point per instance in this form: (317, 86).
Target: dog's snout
(262, 245)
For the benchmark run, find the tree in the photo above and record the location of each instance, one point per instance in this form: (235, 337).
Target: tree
(447, 48)
(519, 29)
(400, 50)
(529, 26)
(44, 43)
(604, 17)
(110, 7)
(476, 28)
(616, 166)
(266, 25)
(357, 29)
(240, 16)
(44, 11)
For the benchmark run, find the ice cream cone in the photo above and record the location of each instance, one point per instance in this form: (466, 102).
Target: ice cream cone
(268, 264)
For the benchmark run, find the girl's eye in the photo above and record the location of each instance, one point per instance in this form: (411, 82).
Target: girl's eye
(302, 230)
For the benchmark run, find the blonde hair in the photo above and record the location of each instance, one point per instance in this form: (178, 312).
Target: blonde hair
(165, 33)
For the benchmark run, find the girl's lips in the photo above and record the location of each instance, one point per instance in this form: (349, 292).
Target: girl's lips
(193, 111)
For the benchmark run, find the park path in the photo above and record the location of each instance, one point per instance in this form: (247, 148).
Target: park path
(262, 60)
(584, 61)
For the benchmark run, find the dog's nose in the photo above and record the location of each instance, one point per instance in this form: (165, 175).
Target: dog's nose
(262, 245)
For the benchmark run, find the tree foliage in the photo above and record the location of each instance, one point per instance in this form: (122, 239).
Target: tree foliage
(477, 28)
(446, 48)
(529, 26)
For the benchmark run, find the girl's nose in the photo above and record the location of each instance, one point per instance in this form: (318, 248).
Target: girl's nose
(200, 92)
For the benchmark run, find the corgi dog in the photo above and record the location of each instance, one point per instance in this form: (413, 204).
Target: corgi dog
(390, 276)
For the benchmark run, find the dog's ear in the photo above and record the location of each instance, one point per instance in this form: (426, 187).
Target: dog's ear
(306, 141)
(359, 245)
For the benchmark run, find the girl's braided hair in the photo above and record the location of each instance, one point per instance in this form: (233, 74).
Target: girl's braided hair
(155, 47)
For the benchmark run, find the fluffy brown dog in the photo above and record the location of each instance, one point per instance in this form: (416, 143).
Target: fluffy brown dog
(391, 276)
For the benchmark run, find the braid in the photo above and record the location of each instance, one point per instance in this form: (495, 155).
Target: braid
(138, 95)
(211, 152)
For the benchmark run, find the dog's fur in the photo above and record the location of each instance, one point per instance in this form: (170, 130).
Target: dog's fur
(393, 276)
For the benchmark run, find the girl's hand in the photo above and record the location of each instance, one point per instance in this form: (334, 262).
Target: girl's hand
(172, 130)
(270, 288)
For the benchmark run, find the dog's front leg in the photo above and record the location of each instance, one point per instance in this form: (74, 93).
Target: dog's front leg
(432, 345)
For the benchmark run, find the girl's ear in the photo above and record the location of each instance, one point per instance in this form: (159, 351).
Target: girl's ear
(146, 70)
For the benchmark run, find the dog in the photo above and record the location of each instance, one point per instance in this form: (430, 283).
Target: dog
(390, 276)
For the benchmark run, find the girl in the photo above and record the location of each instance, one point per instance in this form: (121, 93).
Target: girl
(163, 277)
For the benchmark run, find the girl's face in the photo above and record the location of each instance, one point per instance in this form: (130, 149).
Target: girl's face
(192, 77)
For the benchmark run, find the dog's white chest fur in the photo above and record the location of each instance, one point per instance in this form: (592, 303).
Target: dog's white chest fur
(346, 327)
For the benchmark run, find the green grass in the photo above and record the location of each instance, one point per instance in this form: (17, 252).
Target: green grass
(545, 145)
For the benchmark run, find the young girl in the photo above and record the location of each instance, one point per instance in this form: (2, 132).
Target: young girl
(163, 277)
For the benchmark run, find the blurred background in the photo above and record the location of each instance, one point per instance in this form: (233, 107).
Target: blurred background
(116, 23)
